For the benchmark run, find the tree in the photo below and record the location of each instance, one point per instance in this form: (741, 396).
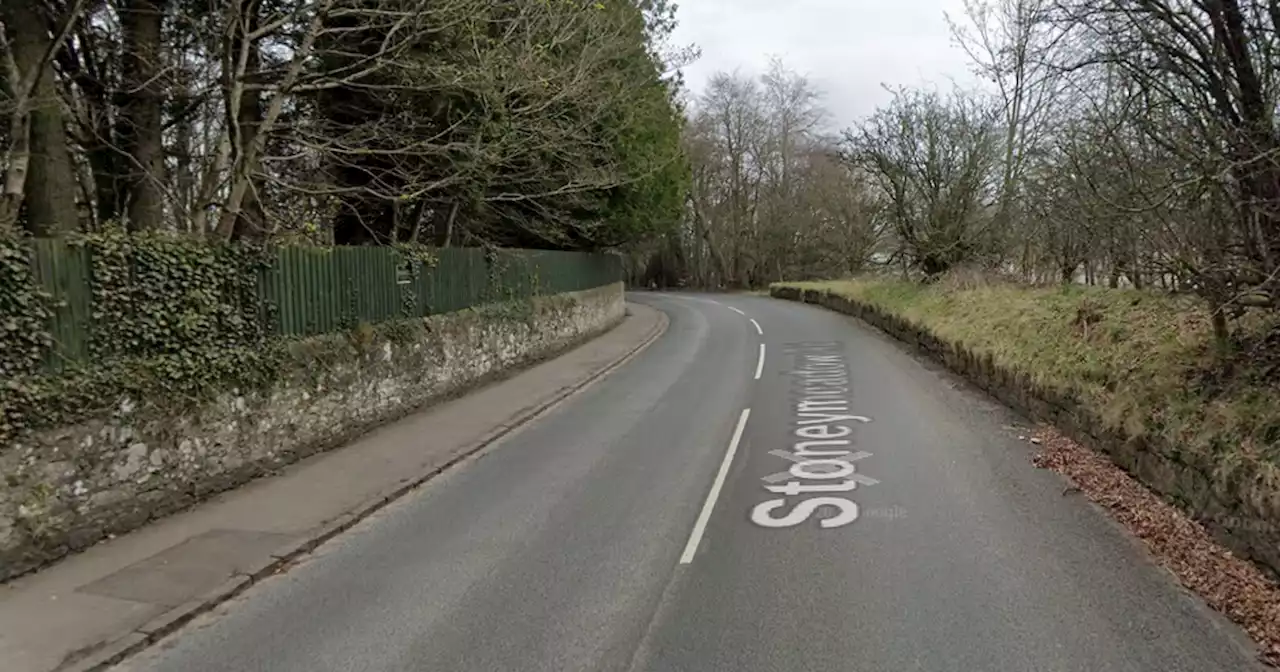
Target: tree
(933, 160)
(1012, 46)
(543, 124)
(141, 131)
(770, 197)
(38, 165)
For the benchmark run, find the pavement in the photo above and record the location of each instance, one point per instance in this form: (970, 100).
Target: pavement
(768, 486)
(117, 597)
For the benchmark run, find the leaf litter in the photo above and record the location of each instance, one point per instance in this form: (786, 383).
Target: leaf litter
(1231, 585)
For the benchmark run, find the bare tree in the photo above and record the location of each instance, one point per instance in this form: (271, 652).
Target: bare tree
(771, 198)
(932, 159)
(1013, 46)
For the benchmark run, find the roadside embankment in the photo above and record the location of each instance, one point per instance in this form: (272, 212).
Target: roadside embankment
(1128, 373)
(67, 487)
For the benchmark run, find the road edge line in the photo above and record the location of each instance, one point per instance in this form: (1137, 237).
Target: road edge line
(171, 621)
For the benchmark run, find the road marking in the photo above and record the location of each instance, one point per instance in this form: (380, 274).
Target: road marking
(827, 473)
(736, 310)
(701, 525)
(760, 362)
(757, 326)
(822, 473)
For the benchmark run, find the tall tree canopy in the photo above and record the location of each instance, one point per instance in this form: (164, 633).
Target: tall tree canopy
(537, 123)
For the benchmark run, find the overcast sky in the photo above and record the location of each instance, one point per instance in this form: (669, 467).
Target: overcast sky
(848, 48)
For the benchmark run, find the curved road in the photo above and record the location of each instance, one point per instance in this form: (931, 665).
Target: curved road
(836, 506)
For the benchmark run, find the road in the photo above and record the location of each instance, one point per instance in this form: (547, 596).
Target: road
(634, 529)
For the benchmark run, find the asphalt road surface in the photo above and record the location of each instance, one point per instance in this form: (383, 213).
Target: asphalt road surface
(770, 486)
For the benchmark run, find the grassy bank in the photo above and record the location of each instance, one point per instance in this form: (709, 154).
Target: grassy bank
(1143, 362)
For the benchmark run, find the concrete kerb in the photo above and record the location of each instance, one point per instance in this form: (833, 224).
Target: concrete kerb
(174, 619)
(109, 655)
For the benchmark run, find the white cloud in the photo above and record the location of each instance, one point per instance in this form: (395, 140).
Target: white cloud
(848, 48)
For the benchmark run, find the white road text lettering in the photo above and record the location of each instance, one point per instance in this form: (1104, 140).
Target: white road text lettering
(823, 458)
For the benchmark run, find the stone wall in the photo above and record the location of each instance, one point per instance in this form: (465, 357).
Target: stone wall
(1242, 513)
(69, 487)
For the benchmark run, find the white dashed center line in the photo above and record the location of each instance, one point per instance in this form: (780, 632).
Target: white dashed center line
(700, 526)
(760, 362)
(757, 326)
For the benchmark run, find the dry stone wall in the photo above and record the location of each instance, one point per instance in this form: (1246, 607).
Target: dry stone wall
(69, 487)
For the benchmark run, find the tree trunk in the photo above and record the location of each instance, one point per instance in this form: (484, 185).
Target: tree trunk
(1221, 334)
(249, 150)
(50, 185)
(252, 220)
(15, 88)
(184, 179)
(141, 123)
(418, 214)
(108, 190)
(448, 225)
(15, 175)
(704, 232)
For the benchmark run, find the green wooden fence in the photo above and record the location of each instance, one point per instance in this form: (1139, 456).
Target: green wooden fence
(316, 290)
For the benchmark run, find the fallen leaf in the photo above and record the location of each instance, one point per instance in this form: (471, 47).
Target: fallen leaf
(1227, 583)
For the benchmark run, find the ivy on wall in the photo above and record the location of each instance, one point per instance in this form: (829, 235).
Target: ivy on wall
(24, 314)
(161, 295)
(416, 258)
(172, 382)
(173, 321)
